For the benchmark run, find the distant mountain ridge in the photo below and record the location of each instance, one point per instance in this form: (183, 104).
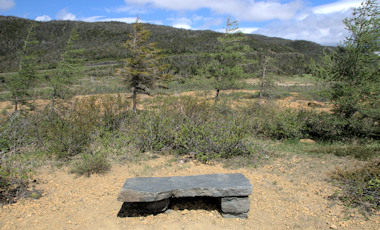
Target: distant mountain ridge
(103, 41)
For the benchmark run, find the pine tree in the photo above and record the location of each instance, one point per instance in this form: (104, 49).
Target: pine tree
(352, 69)
(69, 65)
(142, 69)
(20, 84)
(227, 64)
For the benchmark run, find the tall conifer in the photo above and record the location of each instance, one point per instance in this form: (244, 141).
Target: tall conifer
(69, 65)
(142, 69)
(20, 84)
(227, 64)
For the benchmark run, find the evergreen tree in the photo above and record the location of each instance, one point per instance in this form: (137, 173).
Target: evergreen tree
(20, 84)
(142, 69)
(69, 65)
(352, 69)
(226, 65)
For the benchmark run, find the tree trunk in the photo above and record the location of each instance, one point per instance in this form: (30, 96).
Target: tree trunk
(16, 103)
(263, 85)
(217, 94)
(52, 103)
(134, 96)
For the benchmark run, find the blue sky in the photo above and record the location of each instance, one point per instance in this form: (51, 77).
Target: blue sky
(314, 20)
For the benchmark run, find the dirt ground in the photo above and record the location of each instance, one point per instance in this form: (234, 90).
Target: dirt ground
(289, 192)
(288, 102)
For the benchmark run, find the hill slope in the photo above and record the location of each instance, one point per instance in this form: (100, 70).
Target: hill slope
(103, 40)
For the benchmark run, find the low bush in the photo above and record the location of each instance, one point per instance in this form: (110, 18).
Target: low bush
(16, 131)
(181, 125)
(270, 120)
(16, 169)
(326, 126)
(360, 185)
(189, 126)
(69, 130)
(91, 164)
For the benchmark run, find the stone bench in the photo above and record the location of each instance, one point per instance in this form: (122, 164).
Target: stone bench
(152, 194)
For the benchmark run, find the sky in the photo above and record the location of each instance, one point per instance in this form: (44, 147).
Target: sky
(319, 21)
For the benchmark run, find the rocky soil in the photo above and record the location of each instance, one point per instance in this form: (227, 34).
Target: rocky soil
(289, 192)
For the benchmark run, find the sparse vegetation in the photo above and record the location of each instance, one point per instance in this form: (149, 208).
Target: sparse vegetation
(91, 164)
(361, 185)
(90, 130)
(359, 151)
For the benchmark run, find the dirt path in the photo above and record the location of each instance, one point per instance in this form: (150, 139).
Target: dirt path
(289, 193)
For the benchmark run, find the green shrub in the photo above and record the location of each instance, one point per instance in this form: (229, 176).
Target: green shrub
(64, 136)
(361, 185)
(69, 130)
(273, 121)
(326, 126)
(189, 126)
(15, 171)
(91, 164)
(16, 131)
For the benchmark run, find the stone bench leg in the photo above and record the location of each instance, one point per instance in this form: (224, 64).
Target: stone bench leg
(139, 208)
(234, 207)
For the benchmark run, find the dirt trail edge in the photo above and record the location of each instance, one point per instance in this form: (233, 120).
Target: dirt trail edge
(289, 193)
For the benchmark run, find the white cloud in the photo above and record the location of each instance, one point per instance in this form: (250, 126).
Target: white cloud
(326, 29)
(206, 22)
(268, 10)
(182, 23)
(122, 19)
(92, 19)
(43, 18)
(126, 20)
(6, 4)
(341, 5)
(322, 24)
(241, 9)
(182, 26)
(248, 30)
(64, 15)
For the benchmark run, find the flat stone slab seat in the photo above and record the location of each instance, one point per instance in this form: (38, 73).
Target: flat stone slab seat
(152, 194)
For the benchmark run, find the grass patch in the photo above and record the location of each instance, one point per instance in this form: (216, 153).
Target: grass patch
(362, 152)
(195, 83)
(237, 95)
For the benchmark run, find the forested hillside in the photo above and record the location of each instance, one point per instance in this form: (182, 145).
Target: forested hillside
(185, 49)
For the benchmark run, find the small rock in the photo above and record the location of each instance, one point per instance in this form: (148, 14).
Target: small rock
(308, 141)
(35, 195)
(333, 226)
